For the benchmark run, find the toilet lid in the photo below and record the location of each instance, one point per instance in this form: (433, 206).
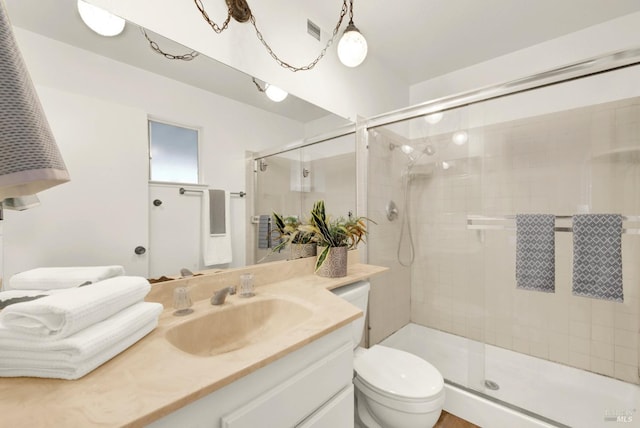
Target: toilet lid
(397, 372)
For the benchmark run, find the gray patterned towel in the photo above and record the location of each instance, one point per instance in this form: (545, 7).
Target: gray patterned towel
(264, 232)
(597, 256)
(535, 252)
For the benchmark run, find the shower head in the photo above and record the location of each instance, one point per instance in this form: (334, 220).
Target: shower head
(413, 152)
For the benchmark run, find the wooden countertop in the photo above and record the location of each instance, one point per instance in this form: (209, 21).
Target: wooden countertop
(153, 378)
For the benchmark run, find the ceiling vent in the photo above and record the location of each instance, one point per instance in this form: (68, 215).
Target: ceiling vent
(313, 29)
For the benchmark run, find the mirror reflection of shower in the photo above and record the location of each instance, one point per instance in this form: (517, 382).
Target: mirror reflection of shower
(412, 171)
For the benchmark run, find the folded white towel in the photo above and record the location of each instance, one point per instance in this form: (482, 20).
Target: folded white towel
(79, 354)
(48, 278)
(61, 314)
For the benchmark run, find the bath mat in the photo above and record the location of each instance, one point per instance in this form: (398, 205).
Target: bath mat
(535, 252)
(597, 256)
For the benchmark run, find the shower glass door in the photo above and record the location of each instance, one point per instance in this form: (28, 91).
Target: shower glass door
(290, 183)
(445, 191)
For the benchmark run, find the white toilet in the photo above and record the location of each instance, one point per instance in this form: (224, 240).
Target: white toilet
(394, 389)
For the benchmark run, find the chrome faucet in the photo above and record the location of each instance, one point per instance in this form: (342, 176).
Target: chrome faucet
(220, 295)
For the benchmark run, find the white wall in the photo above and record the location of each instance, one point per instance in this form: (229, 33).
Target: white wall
(617, 34)
(100, 216)
(366, 90)
(228, 128)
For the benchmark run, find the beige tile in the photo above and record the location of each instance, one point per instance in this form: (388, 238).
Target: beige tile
(605, 367)
(504, 340)
(559, 352)
(539, 349)
(626, 372)
(579, 345)
(626, 339)
(626, 356)
(601, 350)
(581, 361)
(602, 313)
(626, 321)
(580, 329)
(602, 334)
(580, 310)
(521, 345)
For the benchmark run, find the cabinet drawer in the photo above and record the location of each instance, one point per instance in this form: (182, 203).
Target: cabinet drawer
(336, 413)
(298, 397)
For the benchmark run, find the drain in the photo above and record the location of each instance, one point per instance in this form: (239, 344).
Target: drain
(489, 384)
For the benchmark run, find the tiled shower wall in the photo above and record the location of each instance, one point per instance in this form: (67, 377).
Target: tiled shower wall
(463, 281)
(389, 299)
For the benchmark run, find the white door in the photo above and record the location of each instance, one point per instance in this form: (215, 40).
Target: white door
(174, 229)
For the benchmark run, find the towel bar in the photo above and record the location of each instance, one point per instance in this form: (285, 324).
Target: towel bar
(182, 191)
(476, 222)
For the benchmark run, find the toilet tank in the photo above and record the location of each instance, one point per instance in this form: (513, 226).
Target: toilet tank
(358, 295)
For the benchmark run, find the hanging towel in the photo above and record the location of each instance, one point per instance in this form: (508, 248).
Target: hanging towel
(216, 247)
(50, 278)
(264, 232)
(535, 252)
(597, 256)
(82, 352)
(61, 314)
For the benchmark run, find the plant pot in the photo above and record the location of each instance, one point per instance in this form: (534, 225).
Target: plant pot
(301, 251)
(335, 264)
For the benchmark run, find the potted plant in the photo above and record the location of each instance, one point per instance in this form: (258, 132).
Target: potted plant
(301, 242)
(334, 237)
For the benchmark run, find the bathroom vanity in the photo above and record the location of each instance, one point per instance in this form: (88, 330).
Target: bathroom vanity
(282, 357)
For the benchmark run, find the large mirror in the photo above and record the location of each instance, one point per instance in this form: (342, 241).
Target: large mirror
(99, 94)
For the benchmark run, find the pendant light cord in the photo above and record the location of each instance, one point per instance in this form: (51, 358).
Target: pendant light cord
(240, 11)
(183, 57)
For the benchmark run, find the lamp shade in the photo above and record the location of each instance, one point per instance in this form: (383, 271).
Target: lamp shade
(29, 157)
(352, 47)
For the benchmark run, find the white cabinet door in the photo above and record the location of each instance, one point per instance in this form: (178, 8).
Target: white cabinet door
(298, 397)
(338, 412)
(101, 215)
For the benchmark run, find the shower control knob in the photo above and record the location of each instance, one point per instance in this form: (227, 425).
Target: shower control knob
(140, 250)
(157, 202)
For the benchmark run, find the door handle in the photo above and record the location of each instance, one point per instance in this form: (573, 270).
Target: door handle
(139, 250)
(157, 202)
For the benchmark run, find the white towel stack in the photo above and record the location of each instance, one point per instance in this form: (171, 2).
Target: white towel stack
(68, 334)
(51, 278)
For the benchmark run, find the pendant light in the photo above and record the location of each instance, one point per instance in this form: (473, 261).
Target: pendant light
(99, 20)
(352, 48)
(272, 92)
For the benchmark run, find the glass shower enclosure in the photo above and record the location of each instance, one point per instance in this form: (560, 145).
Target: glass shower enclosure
(445, 183)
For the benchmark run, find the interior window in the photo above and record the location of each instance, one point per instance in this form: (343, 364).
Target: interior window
(174, 153)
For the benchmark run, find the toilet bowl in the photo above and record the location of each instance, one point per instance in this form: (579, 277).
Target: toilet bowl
(393, 388)
(396, 389)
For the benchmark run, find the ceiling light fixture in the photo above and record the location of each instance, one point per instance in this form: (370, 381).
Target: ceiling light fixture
(99, 20)
(274, 93)
(352, 47)
(434, 118)
(459, 138)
